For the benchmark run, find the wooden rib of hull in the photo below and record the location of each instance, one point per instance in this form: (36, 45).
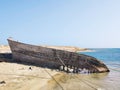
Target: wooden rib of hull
(55, 58)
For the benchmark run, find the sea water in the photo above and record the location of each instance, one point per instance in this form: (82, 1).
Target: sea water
(110, 56)
(97, 81)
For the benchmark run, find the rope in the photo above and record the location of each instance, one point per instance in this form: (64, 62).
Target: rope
(54, 79)
(76, 76)
(85, 81)
(61, 60)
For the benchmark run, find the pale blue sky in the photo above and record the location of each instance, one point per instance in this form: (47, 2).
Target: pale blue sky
(83, 23)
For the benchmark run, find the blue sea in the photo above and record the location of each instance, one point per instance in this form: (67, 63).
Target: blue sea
(97, 81)
(110, 56)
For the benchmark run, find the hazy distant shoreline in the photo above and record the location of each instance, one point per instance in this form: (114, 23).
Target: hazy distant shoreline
(6, 48)
(67, 48)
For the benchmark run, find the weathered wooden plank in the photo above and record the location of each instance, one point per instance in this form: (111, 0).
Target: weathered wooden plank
(55, 58)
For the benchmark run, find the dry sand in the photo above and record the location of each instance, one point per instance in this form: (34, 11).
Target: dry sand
(15, 76)
(20, 77)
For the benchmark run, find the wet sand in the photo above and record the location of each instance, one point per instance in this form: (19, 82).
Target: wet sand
(100, 81)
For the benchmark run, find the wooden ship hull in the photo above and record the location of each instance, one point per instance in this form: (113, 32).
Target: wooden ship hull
(53, 58)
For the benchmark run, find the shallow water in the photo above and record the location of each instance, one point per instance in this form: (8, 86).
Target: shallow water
(101, 81)
(96, 81)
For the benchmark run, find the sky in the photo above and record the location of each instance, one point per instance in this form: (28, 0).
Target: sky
(82, 23)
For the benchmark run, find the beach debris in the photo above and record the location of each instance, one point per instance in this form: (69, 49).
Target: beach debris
(30, 68)
(2, 82)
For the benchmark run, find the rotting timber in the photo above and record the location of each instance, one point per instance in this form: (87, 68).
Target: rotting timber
(53, 58)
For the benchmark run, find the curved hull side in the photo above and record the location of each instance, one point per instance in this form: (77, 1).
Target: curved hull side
(55, 58)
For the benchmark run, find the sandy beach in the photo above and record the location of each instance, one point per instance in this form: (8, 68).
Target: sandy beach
(21, 76)
(24, 77)
(16, 76)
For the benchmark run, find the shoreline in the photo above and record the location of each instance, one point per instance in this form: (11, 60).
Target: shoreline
(67, 48)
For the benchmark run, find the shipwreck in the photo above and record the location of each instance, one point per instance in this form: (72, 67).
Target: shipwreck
(53, 58)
